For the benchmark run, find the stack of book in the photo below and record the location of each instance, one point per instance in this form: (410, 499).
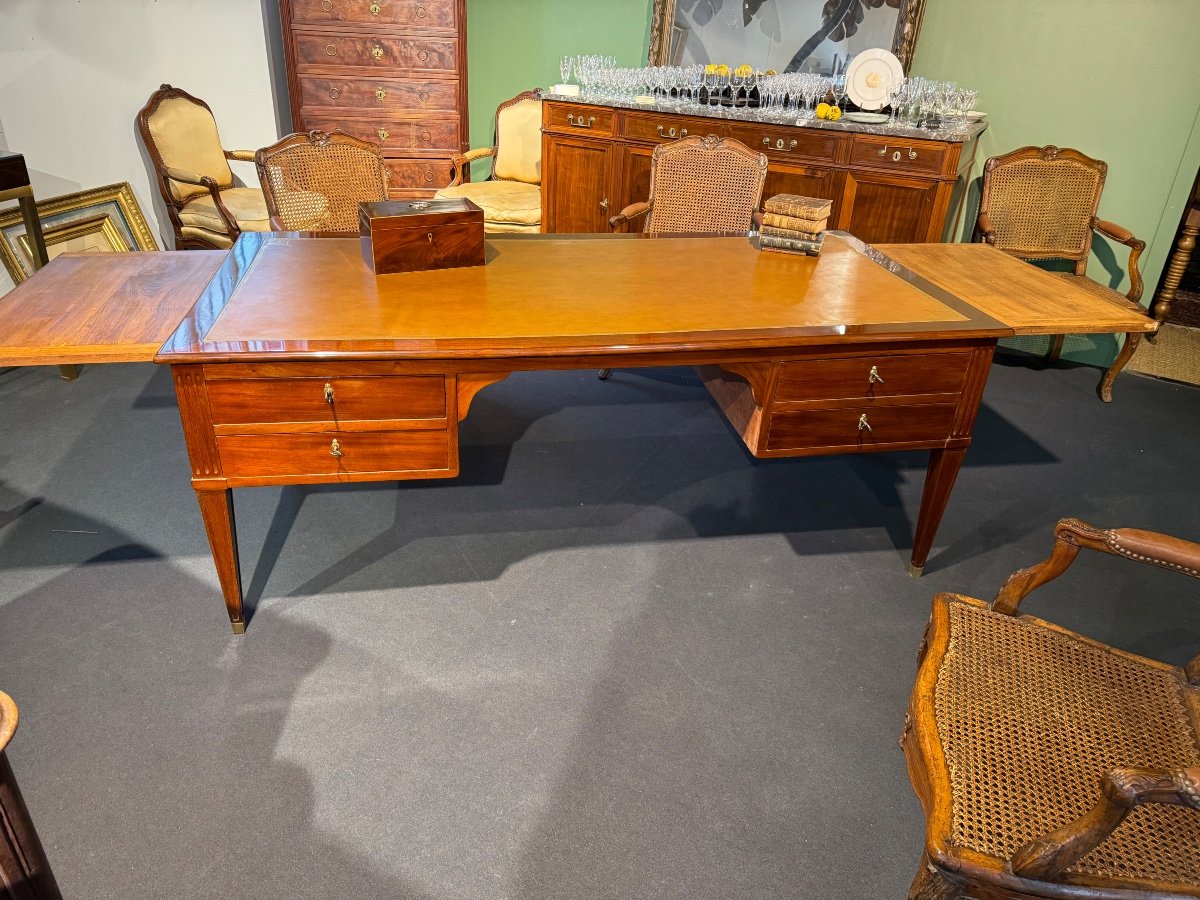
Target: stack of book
(794, 224)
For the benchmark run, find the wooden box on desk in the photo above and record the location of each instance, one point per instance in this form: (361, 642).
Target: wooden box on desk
(415, 235)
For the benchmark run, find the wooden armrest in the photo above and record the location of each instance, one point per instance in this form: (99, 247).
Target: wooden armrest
(984, 226)
(1120, 791)
(240, 155)
(1071, 534)
(1124, 236)
(189, 177)
(460, 163)
(628, 214)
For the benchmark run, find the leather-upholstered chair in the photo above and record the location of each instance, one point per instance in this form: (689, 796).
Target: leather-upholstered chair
(207, 208)
(1049, 764)
(1039, 203)
(315, 181)
(511, 198)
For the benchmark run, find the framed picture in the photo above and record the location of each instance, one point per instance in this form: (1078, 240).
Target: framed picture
(101, 220)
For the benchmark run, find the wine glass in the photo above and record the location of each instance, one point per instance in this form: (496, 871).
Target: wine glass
(565, 65)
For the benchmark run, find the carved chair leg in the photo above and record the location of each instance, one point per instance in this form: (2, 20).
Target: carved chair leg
(603, 374)
(1056, 345)
(1131, 342)
(68, 372)
(932, 883)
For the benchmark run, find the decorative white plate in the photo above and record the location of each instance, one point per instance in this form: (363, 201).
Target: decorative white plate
(869, 76)
(975, 115)
(866, 118)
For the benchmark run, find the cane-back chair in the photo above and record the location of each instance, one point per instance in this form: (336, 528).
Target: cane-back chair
(1049, 764)
(511, 198)
(700, 185)
(207, 207)
(1040, 203)
(315, 181)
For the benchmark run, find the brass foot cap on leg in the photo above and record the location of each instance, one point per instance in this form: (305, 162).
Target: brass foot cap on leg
(238, 627)
(915, 571)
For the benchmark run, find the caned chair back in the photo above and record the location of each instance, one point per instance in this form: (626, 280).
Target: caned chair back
(518, 154)
(315, 181)
(704, 185)
(1039, 202)
(180, 132)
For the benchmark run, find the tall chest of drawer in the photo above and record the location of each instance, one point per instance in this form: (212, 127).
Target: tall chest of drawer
(393, 72)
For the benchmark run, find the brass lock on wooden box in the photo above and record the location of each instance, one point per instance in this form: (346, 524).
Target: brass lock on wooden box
(415, 235)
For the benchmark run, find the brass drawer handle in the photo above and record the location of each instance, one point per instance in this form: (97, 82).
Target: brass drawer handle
(579, 123)
(331, 49)
(329, 393)
(423, 55)
(327, 5)
(376, 9)
(863, 424)
(883, 151)
(874, 376)
(426, 136)
(670, 133)
(380, 94)
(423, 96)
(334, 93)
(912, 154)
(383, 134)
(604, 204)
(421, 12)
(335, 448)
(428, 175)
(779, 145)
(377, 52)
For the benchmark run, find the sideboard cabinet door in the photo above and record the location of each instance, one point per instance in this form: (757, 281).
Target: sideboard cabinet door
(578, 198)
(883, 209)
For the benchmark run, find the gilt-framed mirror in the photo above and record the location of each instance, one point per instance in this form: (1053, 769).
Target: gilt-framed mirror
(784, 35)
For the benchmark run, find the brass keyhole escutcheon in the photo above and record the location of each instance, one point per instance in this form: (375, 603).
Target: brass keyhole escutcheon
(377, 52)
(863, 424)
(422, 55)
(423, 96)
(376, 9)
(329, 393)
(383, 134)
(380, 94)
(896, 156)
(874, 376)
(420, 12)
(331, 49)
(335, 448)
(430, 236)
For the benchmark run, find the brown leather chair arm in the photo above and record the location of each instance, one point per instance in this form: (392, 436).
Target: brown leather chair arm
(628, 214)
(240, 155)
(206, 181)
(460, 163)
(189, 177)
(1071, 534)
(1124, 236)
(1120, 791)
(984, 225)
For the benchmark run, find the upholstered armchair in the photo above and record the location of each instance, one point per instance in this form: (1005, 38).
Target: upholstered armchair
(207, 208)
(511, 198)
(315, 181)
(1039, 203)
(700, 185)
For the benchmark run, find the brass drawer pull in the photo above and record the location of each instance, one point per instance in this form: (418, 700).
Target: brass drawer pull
(874, 376)
(331, 49)
(672, 133)
(377, 52)
(863, 424)
(421, 12)
(329, 393)
(426, 136)
(327, 5)
(376, 9)
(423, 96)
(334, 93)
(912, 154)
(579, 123)
(383, 134)
(428, 175)
(380, 94)
(604, 204)
(883, 151)
(423, 55)
(779, 145)
(335, 448)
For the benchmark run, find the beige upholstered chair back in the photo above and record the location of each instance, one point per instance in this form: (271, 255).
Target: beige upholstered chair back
(704, 185)
(519, 140)
(315, 181)
(1039, 202)
(183, 133)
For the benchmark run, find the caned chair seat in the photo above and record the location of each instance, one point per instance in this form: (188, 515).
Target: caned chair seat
(502, 202)
(1030, 717)
(246, 204)
(1050, 764)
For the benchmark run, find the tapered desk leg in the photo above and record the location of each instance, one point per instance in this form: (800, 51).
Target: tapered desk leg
(24, 870)
(939, 481)
(217, 509)
(37, 246)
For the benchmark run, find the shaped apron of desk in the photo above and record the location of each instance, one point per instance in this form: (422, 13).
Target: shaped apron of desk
(294, 364)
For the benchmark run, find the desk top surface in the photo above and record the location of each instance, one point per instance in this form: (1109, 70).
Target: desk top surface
(283, 296)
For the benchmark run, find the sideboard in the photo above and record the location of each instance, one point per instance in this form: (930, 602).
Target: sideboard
(887, 185)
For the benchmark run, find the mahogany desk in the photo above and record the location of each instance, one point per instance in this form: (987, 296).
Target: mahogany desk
(296, 365)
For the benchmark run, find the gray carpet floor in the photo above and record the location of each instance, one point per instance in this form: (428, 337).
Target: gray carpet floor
(616, 658)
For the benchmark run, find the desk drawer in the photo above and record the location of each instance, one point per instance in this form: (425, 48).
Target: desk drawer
(425, 13)
(365, 94)
(276, 455)
(418, 174)
(861, 427)
(899, 155)
(296, 400)
(575, 117)
(851, 379)
(789, 143)
(642, 127)
(395, 136)
(323, 51)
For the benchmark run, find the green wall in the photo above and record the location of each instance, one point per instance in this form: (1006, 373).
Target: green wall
(1111, 78)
